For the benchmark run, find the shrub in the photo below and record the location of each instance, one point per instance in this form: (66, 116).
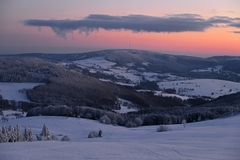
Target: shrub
(27, 135)
(93, 134)
(138, 121)
(54, 138)
(65, 138)
(163, 128)
(105, 119)
(130, 124)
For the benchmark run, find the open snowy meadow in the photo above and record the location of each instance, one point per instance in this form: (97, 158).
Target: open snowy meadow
(209, 140)
(15, 91)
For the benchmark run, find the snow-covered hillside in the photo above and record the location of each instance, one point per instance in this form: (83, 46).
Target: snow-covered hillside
(210, 140)
(15, 91)
(128, 74)
(202, 87)
(95, 62)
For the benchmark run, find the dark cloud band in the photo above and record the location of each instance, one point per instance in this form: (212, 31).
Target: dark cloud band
(136, 23)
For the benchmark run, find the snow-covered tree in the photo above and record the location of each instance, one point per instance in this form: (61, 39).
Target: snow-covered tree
(14, 134)
(25, 135)
(105, 119)
(28, 135)
(3, 130)
(10, 134)
(19, 136)
(45, 132)
(3, 135)
(184, 122)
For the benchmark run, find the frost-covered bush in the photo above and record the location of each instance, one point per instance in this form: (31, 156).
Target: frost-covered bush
(120, 120)
(93, 134)
(138, 121)
(54, 138)
(130, 124)
(65, 138)
(105, 119)
(163, 128)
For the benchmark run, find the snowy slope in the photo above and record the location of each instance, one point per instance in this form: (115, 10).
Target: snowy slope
(14, 91)
(202, 87)
(95, 62)
(210, 140)
(124, 74)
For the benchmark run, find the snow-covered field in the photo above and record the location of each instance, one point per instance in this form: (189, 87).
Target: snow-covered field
(202, 87)
(14, 91)
(210, 140)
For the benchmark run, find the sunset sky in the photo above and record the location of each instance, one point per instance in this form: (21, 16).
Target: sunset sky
(190, 27)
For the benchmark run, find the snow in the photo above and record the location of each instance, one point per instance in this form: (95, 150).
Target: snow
(210, 140)
(160, 93)
(125, 84)
(95, 62)
(12, 112)
(100, 64)
(144, 90)
(151, 76)
(202, 87)
(171, 77)
(105, 80)
(123, 73)
(125, 109)
(115, 82)
(14, 91)
(130, 64)
(145, 63)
